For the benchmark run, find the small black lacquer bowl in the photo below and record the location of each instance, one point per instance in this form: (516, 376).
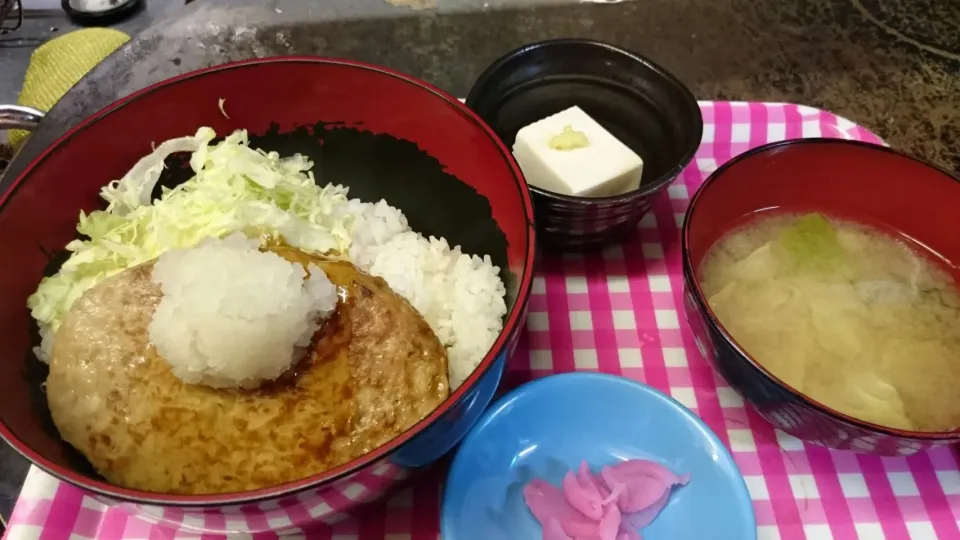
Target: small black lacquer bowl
(637, 101)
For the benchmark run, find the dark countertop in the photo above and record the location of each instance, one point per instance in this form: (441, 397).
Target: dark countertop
(890, 65)
(45, 20)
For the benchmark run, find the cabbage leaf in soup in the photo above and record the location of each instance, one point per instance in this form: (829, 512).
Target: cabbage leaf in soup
(811, 243)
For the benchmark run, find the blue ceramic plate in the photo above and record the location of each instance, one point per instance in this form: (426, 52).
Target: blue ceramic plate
(545, 428)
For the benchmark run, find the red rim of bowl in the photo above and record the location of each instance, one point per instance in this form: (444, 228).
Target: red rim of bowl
(701, 299)
(246, 497)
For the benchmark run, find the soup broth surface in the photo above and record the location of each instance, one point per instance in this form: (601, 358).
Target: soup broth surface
(847, 314)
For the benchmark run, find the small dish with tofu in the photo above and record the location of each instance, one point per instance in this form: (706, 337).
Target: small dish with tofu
(598, 132)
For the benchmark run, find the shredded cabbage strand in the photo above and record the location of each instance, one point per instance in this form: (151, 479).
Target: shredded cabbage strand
(235, 188)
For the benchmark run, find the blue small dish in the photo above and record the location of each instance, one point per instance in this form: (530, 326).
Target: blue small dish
(546, 427)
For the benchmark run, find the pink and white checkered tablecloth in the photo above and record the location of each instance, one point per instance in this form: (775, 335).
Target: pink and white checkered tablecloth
(620, 312)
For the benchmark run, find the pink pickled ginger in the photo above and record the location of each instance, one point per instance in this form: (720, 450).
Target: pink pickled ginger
(612, 505)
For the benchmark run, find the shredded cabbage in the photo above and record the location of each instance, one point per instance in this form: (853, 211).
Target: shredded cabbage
(235, 188)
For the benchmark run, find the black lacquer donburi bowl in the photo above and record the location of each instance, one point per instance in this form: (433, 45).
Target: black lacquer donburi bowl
(384, 135)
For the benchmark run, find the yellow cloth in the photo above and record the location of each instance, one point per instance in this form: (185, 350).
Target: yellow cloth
(60, 63)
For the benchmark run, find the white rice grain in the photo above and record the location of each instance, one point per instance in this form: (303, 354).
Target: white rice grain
(460, 296)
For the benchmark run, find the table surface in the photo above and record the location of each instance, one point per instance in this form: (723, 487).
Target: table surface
(620, 311)
(890, 65)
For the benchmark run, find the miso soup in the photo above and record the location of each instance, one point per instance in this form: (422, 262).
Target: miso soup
(849, 315)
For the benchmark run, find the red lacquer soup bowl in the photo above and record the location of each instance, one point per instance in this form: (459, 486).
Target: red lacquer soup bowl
(384, 135)
(851, 180)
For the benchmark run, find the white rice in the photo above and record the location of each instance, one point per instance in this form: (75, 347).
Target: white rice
(460, 296)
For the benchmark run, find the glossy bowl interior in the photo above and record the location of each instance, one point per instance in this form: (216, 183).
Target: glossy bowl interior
(383, 134)
(637, 101)
(547, 427)
(861, 182)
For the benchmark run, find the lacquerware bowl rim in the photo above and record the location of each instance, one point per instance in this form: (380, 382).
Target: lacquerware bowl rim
(510, 328)
(646, 189)
(692, 283)
(500, 409)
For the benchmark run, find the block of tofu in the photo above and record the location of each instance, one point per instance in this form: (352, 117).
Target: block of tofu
(570, 153)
